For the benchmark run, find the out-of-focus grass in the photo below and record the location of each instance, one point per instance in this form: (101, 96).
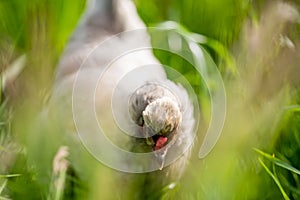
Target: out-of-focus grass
(220, 20)
(257, 118)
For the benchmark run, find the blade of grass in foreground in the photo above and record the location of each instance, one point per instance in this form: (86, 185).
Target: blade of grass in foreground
(293, 108)
(217, 46)
(9, 175)
(4, 198)
(275, 179)
(3, 186)
(1, 190)
(278, 162)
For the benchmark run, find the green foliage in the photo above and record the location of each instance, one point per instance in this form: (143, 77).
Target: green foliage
(41, 28)
(221, 20)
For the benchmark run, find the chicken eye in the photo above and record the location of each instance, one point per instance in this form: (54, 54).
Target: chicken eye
(166, 129)
(141, 121)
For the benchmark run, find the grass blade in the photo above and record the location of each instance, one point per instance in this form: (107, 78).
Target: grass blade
(278, 162)
(9, 175)
(1, 190)
(3, 186)
(275, 179)
(4, 198)
(215, 45)
(293, 108)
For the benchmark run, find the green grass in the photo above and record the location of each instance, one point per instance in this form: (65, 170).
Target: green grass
(262, 108)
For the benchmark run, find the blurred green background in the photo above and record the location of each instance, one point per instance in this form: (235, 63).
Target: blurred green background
(253, 44)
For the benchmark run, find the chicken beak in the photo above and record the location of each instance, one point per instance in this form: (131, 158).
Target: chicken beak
(159, 154)
(160, 157)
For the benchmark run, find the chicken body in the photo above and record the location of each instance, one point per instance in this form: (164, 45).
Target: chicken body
(98, 87)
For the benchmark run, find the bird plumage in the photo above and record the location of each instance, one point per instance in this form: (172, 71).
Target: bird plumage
(164, 106)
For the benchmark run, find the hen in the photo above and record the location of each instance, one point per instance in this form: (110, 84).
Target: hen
(126, 112)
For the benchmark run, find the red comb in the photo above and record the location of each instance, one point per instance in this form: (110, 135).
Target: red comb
(160, 142)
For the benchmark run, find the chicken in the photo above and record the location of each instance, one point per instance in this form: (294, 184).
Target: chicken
(118, 92)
